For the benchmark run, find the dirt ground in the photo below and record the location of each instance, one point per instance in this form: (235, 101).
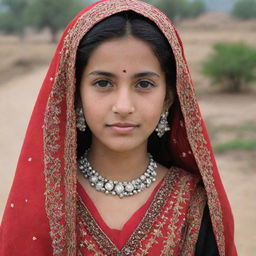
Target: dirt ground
(227, 116)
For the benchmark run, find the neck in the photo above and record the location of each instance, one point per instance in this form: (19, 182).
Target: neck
(121, 166)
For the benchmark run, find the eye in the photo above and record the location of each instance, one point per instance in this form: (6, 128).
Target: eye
(102, 84)
(145, 84)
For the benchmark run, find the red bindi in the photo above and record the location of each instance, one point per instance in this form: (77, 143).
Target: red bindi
(125, 71)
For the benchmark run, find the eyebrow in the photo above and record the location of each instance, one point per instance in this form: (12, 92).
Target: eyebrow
(111, 75)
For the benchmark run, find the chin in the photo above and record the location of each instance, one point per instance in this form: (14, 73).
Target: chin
(124, 145)
(122, 148)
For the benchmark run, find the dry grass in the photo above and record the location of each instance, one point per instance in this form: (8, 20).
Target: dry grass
(22, 56)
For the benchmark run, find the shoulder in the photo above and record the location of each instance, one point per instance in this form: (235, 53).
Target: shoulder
(186, 183)
(192, 183)
(185, 176)
(191, 187)
(177, 172)
(181, 181)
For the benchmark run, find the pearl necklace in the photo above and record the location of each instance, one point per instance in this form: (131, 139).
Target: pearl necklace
(118, 188)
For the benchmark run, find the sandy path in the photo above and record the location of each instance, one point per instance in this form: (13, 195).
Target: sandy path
(237, 169)
(239, 179)
(17, 98)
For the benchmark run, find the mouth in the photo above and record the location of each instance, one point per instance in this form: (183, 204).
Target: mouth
(123, 128)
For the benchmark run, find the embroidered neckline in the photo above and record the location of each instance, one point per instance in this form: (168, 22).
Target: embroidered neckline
(99, 219)
(144, 226)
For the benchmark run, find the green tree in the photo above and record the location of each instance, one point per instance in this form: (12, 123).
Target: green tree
(244, 9)
(192, 9)
(12, 16)
(231, 64)
(176, 9)
(52, 14)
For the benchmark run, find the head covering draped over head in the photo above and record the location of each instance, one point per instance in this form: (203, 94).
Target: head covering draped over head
(40, 216)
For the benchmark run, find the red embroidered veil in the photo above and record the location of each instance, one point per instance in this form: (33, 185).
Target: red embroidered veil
(40, 215)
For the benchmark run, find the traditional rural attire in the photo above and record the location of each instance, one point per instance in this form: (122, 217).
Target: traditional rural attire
(49, 213)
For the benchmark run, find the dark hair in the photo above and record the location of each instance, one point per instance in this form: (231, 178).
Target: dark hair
(117, 26)
(124, 24)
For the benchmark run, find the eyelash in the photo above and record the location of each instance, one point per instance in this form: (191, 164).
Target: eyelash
(148, 83)
(142, 81)
(97, 83)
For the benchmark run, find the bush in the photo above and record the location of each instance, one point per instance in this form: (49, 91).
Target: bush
(235, 145)
(231, 64)
(244, 9)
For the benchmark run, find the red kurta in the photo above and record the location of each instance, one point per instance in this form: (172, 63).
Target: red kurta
(167, 224)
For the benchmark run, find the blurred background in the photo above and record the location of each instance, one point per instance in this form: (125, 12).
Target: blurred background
(219, 40)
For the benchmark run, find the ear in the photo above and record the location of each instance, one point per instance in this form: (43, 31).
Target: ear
(169, 99)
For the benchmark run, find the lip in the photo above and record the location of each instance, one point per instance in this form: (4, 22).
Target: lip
(123, 128)
(123, 125)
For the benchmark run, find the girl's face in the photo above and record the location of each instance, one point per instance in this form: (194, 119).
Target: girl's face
(122, 91)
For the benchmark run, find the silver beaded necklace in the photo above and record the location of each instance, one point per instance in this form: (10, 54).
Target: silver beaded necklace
(118, 188)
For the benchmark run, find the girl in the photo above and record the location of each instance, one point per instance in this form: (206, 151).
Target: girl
(116, 159)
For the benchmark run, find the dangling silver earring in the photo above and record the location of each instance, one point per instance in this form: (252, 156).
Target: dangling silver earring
(80, 120)
(163, 125)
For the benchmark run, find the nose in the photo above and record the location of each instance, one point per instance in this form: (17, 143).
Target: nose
(123, 103)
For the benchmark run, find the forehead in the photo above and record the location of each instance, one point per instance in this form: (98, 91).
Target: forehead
(128, 53)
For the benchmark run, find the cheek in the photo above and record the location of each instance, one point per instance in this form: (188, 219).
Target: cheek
(88, 97)
(153, 113)
(88, 104)
(157, 100)
(91, 110)
(152, 108)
